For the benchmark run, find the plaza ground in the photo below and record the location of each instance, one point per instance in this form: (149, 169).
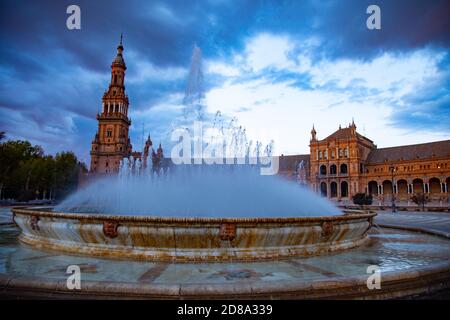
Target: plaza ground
(395, 251)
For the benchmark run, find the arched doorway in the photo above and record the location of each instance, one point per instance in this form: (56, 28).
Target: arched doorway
(343, 168)
(344, 189)
(435, 186)
(373, 188)
(333, 189)
(323, 169)
(323, 189)
(387, 187)
(418, 186)
(402, 189)
(333, 169)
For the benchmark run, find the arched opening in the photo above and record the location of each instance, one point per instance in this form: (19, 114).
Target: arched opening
(333, 189)
(323, 189)
(387, 187)
(402, 186)
(343, 168)
(418, 186)
(323, 169)
(333, 169)
(373, 187)
(435, 185)
(344, 189)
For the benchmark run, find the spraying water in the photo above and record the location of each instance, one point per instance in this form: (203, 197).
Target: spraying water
(201, 190)
(197, 191)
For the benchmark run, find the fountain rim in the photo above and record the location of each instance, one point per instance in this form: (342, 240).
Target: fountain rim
(349, 214)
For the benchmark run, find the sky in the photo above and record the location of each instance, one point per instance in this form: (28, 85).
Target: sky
(278, 67)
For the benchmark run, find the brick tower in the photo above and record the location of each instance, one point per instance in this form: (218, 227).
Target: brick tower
(111, 143)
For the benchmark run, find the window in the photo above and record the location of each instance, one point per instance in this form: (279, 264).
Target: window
(109, 133)
(323, 170)
(341, 153)
(346, 152)
(325, 155)
(333, 169)
(344, 168)
(320, 154)
(332, 154)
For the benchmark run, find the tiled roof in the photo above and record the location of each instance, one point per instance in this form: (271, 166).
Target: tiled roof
(345, 133)
(290, 162)
(410, 152)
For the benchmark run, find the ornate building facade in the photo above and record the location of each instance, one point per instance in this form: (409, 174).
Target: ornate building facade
(111, 142)
(346, 163)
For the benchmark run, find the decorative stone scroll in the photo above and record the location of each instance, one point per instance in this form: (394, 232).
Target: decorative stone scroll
(327, 229)
(34, 223)
(227, 231)
(370, 220)
(110, 229)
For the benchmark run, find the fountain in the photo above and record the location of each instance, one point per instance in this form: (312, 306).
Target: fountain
(193, 214)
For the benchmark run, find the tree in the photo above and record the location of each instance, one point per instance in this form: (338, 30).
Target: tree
(362, 199)
(2, 135)
(420, 199)
(66, 173)
(27, 174)
(14, 155)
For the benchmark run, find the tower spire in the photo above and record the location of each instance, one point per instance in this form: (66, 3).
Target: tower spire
(353, 127)
(313, 133)
(113, 121)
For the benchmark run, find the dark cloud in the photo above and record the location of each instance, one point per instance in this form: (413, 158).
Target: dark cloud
(51, 73)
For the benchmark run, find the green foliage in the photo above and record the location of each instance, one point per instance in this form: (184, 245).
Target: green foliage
(27, 174)
(362, 199)
(420, 199)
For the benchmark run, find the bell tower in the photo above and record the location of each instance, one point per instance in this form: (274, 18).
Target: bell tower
(111, 143)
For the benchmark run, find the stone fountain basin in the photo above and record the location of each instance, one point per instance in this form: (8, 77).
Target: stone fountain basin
(190, 239)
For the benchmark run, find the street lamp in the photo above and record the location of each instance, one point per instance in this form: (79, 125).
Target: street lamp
(392, 168)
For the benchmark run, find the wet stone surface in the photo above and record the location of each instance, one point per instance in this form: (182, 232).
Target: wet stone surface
(390, 249)
(5, 215)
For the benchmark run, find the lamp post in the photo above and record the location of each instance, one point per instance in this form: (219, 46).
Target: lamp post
(392, 168)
